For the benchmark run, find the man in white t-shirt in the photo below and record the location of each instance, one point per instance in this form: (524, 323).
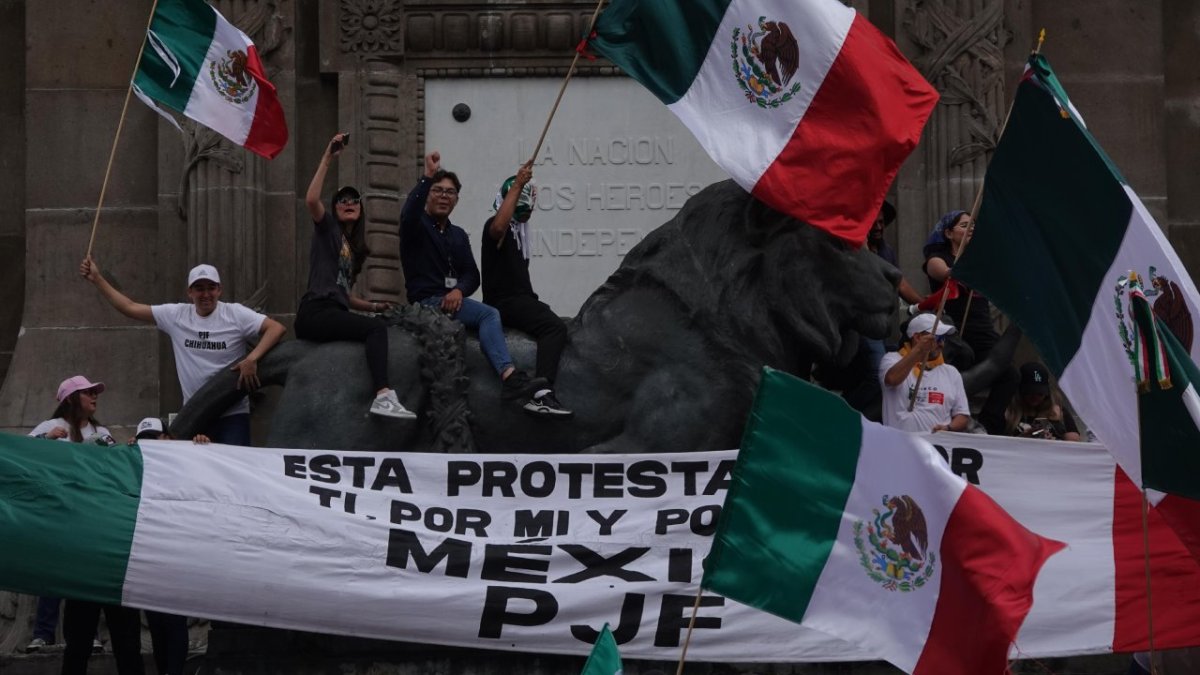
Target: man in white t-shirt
(941, 402)
(207, 336)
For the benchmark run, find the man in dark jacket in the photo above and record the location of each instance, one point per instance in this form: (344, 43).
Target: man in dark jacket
(440, 270)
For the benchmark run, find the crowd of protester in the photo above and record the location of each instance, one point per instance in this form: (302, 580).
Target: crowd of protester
(918, 386)
(209, 336)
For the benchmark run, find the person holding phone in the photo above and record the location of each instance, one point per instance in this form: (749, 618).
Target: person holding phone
(1036, 409)
(335, 259)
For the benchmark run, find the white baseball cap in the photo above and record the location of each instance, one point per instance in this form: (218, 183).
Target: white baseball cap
(203, 272)
(150, 427)
(923, 323)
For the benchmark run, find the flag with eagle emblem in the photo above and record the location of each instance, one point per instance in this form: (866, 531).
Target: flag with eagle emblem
(196, 62)
(806, 104)
(862, 532)
(1056, 207)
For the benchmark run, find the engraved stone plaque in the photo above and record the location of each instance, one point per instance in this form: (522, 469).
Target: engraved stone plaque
(615, 165)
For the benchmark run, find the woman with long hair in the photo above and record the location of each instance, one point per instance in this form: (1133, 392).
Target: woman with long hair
(74, 421)
(942, 249)
(335, 259)
(1036, 411)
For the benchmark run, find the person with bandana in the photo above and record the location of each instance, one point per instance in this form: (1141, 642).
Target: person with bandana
(941, 402)
(504, 252)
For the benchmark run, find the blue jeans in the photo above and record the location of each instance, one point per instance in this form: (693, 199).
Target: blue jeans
(45, 622)
(485, 319)
(230, 430)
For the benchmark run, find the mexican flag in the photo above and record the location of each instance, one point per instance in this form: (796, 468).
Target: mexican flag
(1063, 245)
(805, 103)
(605, 659)
(862, 532)
(196, 62)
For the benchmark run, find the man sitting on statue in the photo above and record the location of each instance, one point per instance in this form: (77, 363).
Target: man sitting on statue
(941, 401)
(504, 252)
(440, 271)
(207, 336)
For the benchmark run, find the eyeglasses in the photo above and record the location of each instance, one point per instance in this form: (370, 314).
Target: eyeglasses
(349, 201)
(449, 192)
(940, 339)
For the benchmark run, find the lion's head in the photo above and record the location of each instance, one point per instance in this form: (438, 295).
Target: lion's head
(766, 284)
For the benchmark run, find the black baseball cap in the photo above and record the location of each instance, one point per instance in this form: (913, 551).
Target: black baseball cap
(1035, 379)
(346, 190)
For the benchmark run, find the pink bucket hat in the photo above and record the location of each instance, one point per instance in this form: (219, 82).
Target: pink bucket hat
(77, 383)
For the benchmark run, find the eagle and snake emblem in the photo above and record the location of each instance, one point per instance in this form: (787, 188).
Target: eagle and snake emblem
(231, 77)
(1168, 303)
(895, 551)
(765, 60)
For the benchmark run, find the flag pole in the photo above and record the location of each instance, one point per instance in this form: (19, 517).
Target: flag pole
(691, 624)
(120, 125)
(1146, 552)
(570, 71)
(937, 319)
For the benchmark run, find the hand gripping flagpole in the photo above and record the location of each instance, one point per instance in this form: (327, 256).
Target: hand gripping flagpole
(579, 51)
(120, 125)
(937, 319)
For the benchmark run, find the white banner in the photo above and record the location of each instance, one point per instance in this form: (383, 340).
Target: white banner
(536, 552)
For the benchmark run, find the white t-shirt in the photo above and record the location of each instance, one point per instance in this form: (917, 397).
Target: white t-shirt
(941, 397)
(88, 430)
(206, 345)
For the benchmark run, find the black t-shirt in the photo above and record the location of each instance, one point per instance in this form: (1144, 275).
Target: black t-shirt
(981, 311)
(505, 270)
(330, 263)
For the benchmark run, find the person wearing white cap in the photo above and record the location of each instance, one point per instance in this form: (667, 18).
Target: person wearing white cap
(941, 402)
(168, 632)
(207, 336)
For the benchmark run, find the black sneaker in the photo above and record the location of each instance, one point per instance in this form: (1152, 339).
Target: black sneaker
(547, 405)
(519, 385)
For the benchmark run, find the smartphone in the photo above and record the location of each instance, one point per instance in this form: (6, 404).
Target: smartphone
(338, 145)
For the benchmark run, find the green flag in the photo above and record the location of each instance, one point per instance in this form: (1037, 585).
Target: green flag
(604, 659)
(1061, 242)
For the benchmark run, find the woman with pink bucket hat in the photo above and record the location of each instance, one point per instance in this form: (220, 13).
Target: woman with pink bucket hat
(74, 421)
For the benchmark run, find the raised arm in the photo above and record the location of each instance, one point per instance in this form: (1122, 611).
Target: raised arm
(312, 198)
(508, 207)
(414, 206)
(88, 269)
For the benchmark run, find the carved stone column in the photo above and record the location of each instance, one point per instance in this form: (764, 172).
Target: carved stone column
(223, 191)
(960, 45)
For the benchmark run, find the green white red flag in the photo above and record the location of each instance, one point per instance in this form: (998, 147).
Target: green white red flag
(525, 552)
(195, 62)
(805, 103)
(1064, 247)
(862, 532)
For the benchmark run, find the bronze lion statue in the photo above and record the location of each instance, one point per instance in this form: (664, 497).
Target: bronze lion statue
(665, 356)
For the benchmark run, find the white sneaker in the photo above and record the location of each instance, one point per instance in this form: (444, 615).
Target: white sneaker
(36, 645)
(388, 405)
(97, 646)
